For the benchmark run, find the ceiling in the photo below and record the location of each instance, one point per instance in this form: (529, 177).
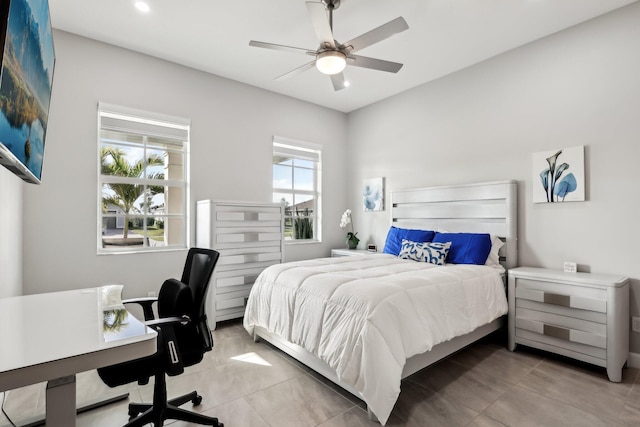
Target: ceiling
(213, 36)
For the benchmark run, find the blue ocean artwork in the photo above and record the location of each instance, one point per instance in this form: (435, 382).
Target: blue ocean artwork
(555, 185)
(26, 80)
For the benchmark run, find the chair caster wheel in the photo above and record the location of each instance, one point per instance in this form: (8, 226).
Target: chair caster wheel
(197, 400)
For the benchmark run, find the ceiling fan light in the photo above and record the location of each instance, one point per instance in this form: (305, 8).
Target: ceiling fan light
(331, 62)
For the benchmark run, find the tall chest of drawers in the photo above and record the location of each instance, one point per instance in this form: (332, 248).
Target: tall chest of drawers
(579, 315)
(249, 237)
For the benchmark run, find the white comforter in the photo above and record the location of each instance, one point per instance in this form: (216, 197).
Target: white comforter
(364, 316)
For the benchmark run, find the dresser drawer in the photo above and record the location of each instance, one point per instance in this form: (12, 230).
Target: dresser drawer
(274, 216)
(229, 282)
(266, 234)
(234, 299)
(248, 258)
(593, 299)
(230, 303)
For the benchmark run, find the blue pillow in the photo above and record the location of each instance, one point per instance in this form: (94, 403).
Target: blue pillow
(466, 248)
(393, 243)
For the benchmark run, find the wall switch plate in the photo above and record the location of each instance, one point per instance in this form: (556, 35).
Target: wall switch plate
(570, 267)
(635, 324)
(152, 294)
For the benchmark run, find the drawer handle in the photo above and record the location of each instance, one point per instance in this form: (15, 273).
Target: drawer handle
(556, 299)
(556, 332)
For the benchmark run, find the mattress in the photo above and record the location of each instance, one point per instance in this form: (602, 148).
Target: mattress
(365, 316)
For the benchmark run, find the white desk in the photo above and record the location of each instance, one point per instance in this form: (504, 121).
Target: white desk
(51, 337)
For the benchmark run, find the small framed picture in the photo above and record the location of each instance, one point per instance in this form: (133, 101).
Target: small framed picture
(372, 248)
(373, 194)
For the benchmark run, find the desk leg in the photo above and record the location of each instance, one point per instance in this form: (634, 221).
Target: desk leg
(61, 402)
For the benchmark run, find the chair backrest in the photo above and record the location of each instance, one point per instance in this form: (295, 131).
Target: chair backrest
(197, 272)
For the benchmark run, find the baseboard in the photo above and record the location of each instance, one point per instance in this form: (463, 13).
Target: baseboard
(634, 360)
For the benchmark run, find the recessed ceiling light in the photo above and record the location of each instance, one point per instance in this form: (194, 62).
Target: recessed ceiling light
(142, 6)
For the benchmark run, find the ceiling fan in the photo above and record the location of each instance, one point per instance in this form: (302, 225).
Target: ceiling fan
(332, 57)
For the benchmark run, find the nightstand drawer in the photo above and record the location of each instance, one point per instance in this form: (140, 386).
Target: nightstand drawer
(562, 295)
(570, 322)
(562, 333)
(587, 353)
(592, 316)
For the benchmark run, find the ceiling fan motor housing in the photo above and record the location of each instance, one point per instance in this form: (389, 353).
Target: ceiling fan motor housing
(331, 4)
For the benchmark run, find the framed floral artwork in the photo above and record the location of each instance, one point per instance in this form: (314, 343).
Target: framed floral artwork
(558, 176)
(373, 194)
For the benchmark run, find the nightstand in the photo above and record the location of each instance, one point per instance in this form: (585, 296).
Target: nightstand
(579, 315)
(350, 252)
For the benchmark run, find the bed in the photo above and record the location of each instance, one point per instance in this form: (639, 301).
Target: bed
(367, 322)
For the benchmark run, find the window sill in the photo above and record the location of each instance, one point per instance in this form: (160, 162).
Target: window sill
(301, 242)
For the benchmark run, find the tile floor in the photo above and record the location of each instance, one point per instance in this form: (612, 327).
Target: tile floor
(247, 384)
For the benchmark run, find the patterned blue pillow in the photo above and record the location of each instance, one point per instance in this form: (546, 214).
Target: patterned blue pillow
(434, 253)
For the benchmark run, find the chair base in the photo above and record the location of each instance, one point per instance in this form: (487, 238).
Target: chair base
(162, 410)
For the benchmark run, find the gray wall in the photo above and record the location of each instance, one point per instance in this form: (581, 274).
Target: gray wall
(577, 87)
(231, 135)
(10, 234)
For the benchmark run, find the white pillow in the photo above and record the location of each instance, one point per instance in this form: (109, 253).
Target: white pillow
(494, 254)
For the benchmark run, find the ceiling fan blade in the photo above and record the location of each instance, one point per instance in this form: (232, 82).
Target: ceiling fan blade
(374, 64)
(281, 47)
(339, 82)
(321, 25)
(376, 35)
(298, 70)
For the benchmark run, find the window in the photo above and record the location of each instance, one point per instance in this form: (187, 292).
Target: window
(296, 183)
(142, 181)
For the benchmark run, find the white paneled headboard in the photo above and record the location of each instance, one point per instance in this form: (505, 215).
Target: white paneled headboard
(489, 207)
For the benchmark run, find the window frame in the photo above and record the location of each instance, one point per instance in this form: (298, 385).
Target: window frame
(146, 125)
(307, 151)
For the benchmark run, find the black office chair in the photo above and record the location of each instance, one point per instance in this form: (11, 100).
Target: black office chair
(183, 338)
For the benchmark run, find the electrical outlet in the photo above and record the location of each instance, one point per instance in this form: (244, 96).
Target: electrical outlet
(152, 294)
(570, 267)
(635, 324)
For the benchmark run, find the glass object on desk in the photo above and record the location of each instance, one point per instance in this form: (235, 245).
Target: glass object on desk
(111, 296)
(119, 324)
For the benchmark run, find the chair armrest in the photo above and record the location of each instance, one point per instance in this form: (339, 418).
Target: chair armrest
(167, 342)
(146, 303)
(184, 320)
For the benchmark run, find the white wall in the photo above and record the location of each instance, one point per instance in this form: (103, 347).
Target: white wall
(231, 135)
(10, 234)
(577, 87)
